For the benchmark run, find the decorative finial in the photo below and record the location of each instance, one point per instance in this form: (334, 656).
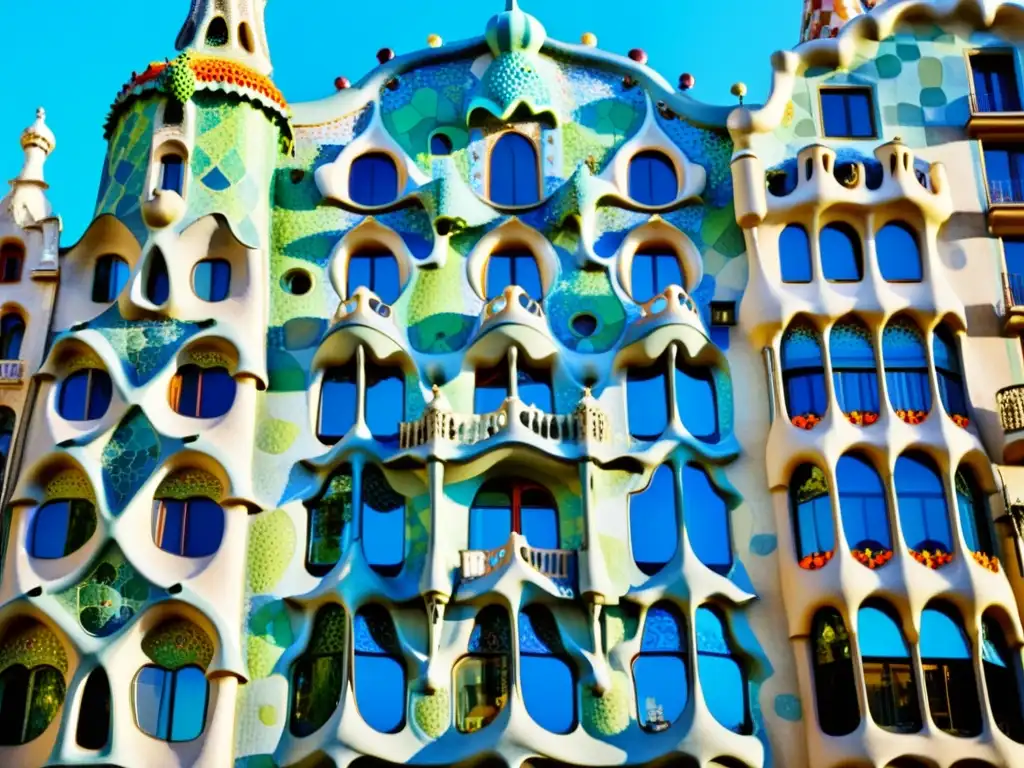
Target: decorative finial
(434, 41)
(435, 389)
(589, 39)
(586, 392)
(739, 90)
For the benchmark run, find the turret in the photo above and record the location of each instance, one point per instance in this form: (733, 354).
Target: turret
(27, 198)
(231, 29)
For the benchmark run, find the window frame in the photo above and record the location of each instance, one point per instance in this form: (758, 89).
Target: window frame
(970, 55)
(373, 255)
(29, 700)
(514, 488)
(650, 156)
(538, 170)
(177, 388)
(167, 160)
(107, 263)
(1014, 160)
(848, 90)
(89, 389)
(374, 156)
(172, 675)
(160, 526)
(12, 252)
(8, 334)
(214, 264)
(73, 507)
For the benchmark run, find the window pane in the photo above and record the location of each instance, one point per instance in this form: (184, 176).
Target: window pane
(833, 114)
(722, 678)
(173, 173)
(153, 701)
(337, 404)
(652, 179)
(697, 400)
(513, 174)
(662, 689)
(862, 504)
(14, 692)
(898, 256)
(813, 511)
(892, 696)
(499, 274)
(50, 532)
(373, 180)
(481, 691)
(218, 393)
(383, 519)
(860, 115)
(100, 393)
(834, 680)
(535, 389)
(386, 282)
(385, 403)
(171, 526)
(440, 145)
(186, 387)
(647, 402)
(491, 389)
(540, 526)
(380, 691)
(549, 692)
(841, 254)
(490, 520)
(707, 519)
(189, 704)
(922, 504)
(879, 635)
(73, 393)
(653, 532)
(360, 273)
(527, 275)
(205, 528)
(795, 254)
(642, 278)
(211, 279)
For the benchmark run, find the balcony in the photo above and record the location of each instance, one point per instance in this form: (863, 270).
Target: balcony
(557, 565)
(1006, 206)
(995, 116)
(1010, 403)
(439, 425)
(1013, 302)
(12, 372)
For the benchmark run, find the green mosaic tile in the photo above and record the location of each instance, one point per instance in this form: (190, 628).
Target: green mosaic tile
(129, 459)
(929, 72)
(933, 97)
(908, 51)
(888, 66)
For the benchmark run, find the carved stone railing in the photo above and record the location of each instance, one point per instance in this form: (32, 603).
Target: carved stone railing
(556, 564)
(11, 372)
(553, 563)
(1010, 402)
(461, 429)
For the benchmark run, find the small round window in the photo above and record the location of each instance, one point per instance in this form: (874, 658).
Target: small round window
(297, 282)
(584, 325)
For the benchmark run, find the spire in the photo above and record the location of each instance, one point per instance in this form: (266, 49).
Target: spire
(232, 29)
(27, 198)
(514, 30)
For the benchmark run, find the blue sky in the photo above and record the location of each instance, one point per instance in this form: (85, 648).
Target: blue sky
(75, 61)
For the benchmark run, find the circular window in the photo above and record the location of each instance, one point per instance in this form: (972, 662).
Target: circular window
(297, 282)
(584, 325)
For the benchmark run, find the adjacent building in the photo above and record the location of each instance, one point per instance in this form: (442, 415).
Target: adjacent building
(511, 406)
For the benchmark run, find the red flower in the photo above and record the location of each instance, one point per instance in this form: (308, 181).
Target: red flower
(806, 421)
(960, 420)
(816, 560)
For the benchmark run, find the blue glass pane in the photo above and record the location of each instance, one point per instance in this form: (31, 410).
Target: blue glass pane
(803, 371)
(205, 528)
(862, 503)
(653, 533)
(724, 690)
(795, 255)
(73, 392)
(189, 704)
(383, 521)
(993, 645)
(373, 180)
(514, 176)
(805, 394)
(218, 393)
(380, 691)
(850, 346)
(995, 82)
(385, 405)
(540, 526)
(171, 526)
(12, 331)
(879, 636)
(535, 389)
(642, 280)
(707, 519)
(1013, 252)
(549, 692)
(840, 254)
(360, 273)
(526, 274)
(662, 689)
(652, 272)
(152, 698)
(922, 503)
(711, 633)
(440, 145)
(488, 399)
(847, 112)
(211, 279)
(942, 637)
(813, 511)
(698, 401)
(489, 527)
(664, 630)
(373, 632)
(492, 632)
(377, 271)
(538, 632)
(647, 402)
(158, 283)
(173, 176)
(652, 179)
(337, 405)
(906, 366)
(499, 274)
(899, 258)
(186, 385)
(50, 530)
(100, 392)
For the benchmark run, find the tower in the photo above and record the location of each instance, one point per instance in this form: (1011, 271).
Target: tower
(231, 29)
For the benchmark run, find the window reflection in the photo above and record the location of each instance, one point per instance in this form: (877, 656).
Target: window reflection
(171, 705)
(949, 673)
(892, 693)
(482, 678)
(660, 669)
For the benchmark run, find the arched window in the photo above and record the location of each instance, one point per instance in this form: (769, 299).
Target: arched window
(12, 256)
(29, 702)
(507, 505)
(888, 672)
(61, 527)
(647, 401)
(1003, 677)
(188, 527)
(652, 270)
(202, 393)
(803, 375)
(158, 281)
(723, 679)
(795, 255)
(697, 400)
(376, 269)
(707, 519)
(533, 387)
(652, 179)
(383, 521)
(854, 375)
(973, 513)
(899, 257)
(482, 677)
(338, 400)
(211, 279)
(949, 673)
(373, 180)
(170, 705)
(440, 145)
(922, 505)
(379, 673)
(660, 670)
(864, 510)
(7, 421)
(653, 526)
(328, 517)
(514, 175)
(85, 395)
(93, 731)
(841, 258)
(172, 173)
(516, 266)
(109, 278)
(385, 401)
(951, 382)
(812, 517)
(906, 370)
(317, 674)
(546, 676)
(217, 32)
(12, 332)
(835, 689)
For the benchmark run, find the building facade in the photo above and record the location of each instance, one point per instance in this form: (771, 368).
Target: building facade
(513, 407)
